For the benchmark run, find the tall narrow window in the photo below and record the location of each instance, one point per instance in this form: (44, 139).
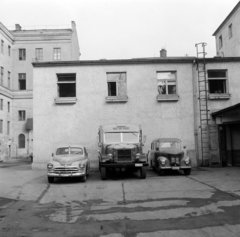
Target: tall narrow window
(2, 75)
(21, 115)
(220, 42)
(22, 54)
(9, 50)
(21, 141)
(1, 104)
(230, 33)
(8, 107)
(8, 127)
(166, 82)
(117, 84)
(39, 54)
(66, 85)
(9, 80)
(2, 46)
(57, 54)
(22, 81)
(1, 126)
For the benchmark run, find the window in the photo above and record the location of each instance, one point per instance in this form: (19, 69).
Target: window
(1, 126)
(67, 85)
(21, 115)
(8, 127)
(9, 80)
(22, 81)
(116, 83)
(2, 75)
(217, 81)
(21, 141)
(39, 54)
(22, 54)
(8, 107)
(9, 50)
(220, 42)
(57, 54)
(1, 104)
(166, 82)
(230, 33)
(2, 46)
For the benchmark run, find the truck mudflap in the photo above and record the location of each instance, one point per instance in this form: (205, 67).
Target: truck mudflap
(121, 165)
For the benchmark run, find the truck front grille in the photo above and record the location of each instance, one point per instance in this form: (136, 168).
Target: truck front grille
(68, 169)
(124, 155)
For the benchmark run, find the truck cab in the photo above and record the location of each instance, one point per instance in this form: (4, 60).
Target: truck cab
(120, 148)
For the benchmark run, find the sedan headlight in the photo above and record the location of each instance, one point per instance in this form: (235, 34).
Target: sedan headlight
(49, 166)
(81, 165)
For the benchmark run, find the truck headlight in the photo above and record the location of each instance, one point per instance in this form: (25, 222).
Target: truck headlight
(187, 161)
(138, 155)
(49, 166)
(110, 155)
(163, 161)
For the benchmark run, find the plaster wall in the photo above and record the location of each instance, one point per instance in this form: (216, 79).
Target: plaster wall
(79, 122)
(231, 45)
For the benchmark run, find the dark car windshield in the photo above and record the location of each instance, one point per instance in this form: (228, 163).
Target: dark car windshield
(170, 144)
(69, 150)
(115, 137)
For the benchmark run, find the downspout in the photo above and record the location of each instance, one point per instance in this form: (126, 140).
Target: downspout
(195, 109)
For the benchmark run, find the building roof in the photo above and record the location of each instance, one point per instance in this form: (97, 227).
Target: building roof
(227, 18)
(227, 111)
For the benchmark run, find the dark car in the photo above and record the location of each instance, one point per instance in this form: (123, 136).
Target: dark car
(168, 154)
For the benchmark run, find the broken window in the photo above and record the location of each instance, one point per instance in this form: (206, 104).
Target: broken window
(217, 81)
(21, 115)
(57, 54)
(166, 83)
(21, 141)
(117, 84)
(22, 54)
(22, 81)
(66, 85)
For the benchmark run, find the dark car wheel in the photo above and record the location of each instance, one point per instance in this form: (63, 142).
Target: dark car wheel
(103, 173)
(50, 180)
(84, 178)
(160, 171)
(187, 172)
(143, 173)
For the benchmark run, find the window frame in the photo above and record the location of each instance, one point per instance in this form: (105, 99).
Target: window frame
(22, 54)
(9, 80)
(1, 126)
(21, 141)
(2, 76)
(22, 77)
(1, 104)
(217, 95)
(9, 50)
(230, 32)
(9, 106)
(57, 52)
(39, 54)
(2, 46)
(21, 115)
(220, 39)
(8, 127)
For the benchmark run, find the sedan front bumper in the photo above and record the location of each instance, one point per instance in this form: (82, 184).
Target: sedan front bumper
(65, 174)
(175, 167)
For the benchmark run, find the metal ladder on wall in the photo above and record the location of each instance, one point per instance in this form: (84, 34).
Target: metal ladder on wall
(203, 105)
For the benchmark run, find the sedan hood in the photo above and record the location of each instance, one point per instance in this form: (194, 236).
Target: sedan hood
(171, 151)
(121, 146)
(67, 160)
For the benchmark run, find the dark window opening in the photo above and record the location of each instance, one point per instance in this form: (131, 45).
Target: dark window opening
(217, 86)
(112, 88)
(21, 141)
(22, 84)
(67, 85)
(217, 74)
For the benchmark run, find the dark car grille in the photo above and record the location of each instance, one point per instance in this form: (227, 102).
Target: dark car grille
(67, 169)
(124, 155)
(174, 159)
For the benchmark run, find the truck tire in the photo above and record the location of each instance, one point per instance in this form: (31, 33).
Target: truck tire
(160, 171)
(50, 180)
(103, 171)
(143, 172)
(187, 171)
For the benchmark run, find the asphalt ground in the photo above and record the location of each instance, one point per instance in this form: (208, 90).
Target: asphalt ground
(206, 203)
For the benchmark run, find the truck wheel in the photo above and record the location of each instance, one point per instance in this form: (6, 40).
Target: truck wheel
(143, 172)
(160, 171)
(187, 172)
(103, 173)
(50, 180)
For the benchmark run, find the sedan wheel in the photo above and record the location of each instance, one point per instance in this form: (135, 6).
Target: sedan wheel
(84, 178)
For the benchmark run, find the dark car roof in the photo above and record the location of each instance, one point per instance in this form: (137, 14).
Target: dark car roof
(166, 140)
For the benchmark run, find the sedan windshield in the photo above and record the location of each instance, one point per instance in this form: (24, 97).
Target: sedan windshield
(172, 144)
(117, 137)
(69, 150)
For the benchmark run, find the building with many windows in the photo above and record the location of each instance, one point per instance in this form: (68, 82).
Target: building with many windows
(19, 48)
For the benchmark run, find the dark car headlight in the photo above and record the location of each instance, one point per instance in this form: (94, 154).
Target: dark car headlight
(49, 166)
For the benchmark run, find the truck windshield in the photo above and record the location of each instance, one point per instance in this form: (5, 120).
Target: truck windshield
(115, 137)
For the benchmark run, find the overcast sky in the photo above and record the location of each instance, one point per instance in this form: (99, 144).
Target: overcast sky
(123, 29)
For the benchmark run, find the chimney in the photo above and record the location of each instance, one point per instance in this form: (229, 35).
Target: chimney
(18, 27)
(163, 53)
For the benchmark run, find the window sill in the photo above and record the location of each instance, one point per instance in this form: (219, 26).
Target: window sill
(65, 100)
(170, 98)
(219, 96)
(116, 99)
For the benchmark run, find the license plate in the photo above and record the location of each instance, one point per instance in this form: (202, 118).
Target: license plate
(175, 168)
(138, 165)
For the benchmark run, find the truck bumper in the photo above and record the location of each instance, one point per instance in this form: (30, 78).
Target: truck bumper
(125, 165)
